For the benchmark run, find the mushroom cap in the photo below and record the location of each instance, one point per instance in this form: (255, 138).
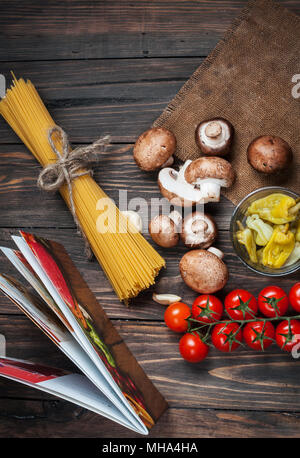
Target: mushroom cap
(153, 148)
(212, 167)
(203, 271)
(163, 231)
(199, 230)
(269, 154)
(214, 136)
(176, 217)
(174, 187)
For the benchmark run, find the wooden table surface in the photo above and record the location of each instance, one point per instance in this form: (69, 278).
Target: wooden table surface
(110, 67)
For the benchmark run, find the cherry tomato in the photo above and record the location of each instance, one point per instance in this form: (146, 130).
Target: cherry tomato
(241, 305)
(192, 348)
(175, 316)
(273, 301)
(259, 335)
(285, 333)
(207, 308)
(294, 297)
(226, 337)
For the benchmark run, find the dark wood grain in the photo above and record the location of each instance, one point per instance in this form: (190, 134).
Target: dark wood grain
(22, 202)
(73, 30)
(245, 380)
(88, 99)
(79, 30)
(55, 419)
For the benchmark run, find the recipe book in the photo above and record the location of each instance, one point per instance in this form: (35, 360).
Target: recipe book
(111, 382)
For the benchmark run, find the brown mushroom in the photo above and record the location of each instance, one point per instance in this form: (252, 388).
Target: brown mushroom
(210, 174)
(154, 149)
(176, 216)
(163, 231)
(214, 136)
(176, 189)
(269, 154)
(203, 271)
(199, 230)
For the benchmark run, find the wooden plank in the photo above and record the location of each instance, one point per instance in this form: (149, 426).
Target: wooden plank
(243, 380)
(40, 419)
(22, 203)
(68, 29)
(169, 280)
(70, 76)
(88, 99)
(80, 30)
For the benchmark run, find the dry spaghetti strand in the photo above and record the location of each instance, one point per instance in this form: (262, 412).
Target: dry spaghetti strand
(129, 261)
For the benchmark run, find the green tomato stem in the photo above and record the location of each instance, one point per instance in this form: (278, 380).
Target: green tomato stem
(242, 322)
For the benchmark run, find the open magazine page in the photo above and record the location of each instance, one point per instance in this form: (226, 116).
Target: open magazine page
(21, 264)
(89, 368)
(74, 388)
(94, 330)
(75, 317)
(46, 320)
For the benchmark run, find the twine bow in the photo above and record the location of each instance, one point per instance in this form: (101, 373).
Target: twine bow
(70, 165)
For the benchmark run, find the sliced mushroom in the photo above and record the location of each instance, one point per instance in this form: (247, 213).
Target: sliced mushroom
(154, 149)
(214, 136)
(163, 231)
(176, 189)
(269, 154)
(199, 230)
(210, 174)
(203, 271)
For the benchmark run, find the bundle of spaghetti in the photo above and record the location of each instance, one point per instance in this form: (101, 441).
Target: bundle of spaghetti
(129, 261)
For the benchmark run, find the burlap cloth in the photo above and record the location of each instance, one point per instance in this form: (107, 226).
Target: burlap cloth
(248, 80)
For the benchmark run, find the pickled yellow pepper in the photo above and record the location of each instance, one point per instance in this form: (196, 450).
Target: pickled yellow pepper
(279, 247)
(274, 208)
(245, 237)
(298, 232)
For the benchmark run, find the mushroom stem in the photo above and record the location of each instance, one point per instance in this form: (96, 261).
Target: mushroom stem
(216, 251)
(213, 129)
(210, 174)
(182, 170)
(214, 136)
(176, 189)
(210, 189)
(168, 162)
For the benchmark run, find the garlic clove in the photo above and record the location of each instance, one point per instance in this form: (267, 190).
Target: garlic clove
(134, 219)
(166, 299)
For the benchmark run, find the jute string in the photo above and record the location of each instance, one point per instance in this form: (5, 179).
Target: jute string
(70, 165)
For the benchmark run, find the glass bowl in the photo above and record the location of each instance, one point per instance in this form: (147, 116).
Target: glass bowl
(239, 215)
